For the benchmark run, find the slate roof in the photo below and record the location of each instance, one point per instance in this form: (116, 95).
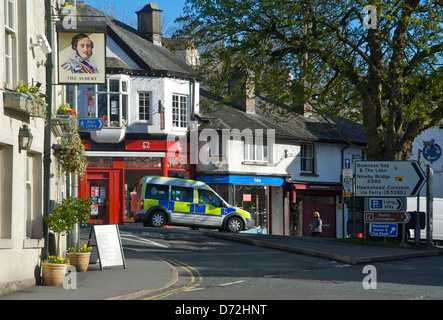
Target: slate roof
(152, 59)
(292, 126)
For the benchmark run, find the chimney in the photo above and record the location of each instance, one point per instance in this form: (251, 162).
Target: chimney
(149, 23)
(243, 87)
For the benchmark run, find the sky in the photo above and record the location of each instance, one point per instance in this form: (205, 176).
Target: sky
(125, 9)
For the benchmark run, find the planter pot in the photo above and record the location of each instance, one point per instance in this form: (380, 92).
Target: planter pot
(54, 273)
(21, 102)
(80, 260)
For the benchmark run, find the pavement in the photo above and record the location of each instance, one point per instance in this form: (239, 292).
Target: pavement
(145, 273)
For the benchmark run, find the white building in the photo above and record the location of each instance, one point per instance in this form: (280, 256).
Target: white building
(281, 170)
(23, 58)
(147, 104)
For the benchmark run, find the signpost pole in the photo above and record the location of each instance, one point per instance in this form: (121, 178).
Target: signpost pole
(429, 204)
(417, 221)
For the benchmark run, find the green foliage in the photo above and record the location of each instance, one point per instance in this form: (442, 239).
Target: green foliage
(72, 211)
(389, 77)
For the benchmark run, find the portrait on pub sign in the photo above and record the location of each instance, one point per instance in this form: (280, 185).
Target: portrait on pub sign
(81, 58)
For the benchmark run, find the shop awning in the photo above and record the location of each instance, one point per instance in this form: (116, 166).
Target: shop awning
(251, 180)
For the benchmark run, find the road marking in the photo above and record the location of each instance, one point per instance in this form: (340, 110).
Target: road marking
(229, 283)
(141, 240)
(196, 279)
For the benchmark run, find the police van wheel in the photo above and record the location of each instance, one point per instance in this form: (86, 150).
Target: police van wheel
(234, 224)
(157, 219)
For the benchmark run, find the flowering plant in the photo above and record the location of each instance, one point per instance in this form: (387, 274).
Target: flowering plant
(66, 110)
(34, 95)
(57, 260)
(81, 249)
(70, 154)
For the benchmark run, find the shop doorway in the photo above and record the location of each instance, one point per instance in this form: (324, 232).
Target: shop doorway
(325, 205)
(98, 189)
(254, 199)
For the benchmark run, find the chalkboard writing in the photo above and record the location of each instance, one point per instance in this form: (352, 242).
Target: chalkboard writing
(107, 246)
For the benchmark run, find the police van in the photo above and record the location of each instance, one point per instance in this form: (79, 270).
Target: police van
(170, 201)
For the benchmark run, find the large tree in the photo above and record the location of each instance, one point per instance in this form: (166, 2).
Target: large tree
(379, 64)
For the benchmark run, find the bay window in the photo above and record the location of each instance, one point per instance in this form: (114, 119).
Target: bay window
(109, 102)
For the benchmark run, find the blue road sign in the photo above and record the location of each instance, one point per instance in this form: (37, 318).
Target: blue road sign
(88, 124)
(432, 152)
(384, 229)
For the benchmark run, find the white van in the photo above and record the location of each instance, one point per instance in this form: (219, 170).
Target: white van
(181, 202)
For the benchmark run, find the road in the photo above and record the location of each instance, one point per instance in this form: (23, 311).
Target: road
(214, 269)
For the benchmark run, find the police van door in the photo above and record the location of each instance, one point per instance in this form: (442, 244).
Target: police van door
(183, 205)
(208, 210)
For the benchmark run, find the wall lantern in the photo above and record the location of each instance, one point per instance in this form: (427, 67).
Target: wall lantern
(25, 138)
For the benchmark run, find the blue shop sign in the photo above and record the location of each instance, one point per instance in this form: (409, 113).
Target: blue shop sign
(251, 180)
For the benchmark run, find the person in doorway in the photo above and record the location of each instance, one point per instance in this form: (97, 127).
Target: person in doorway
(316, 226)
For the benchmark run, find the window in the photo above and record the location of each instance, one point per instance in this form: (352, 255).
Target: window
(179, 111)
(10, 71)
(157, 191)
(208, 197)
(144, 106)
(182, 194)
(6, 181)
(307, 158)
(257, 152)
(33, 196)
(109, 101)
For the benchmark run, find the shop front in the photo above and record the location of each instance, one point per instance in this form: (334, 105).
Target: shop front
(309, 198)
(112, 177)
(260, 196)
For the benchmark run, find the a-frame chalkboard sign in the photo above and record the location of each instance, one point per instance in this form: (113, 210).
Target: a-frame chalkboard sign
(106, 246)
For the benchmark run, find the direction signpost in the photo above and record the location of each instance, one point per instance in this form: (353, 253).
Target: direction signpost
(384, 229)
(387, 217)
(388, 178)
(386, 204)
(89, 124)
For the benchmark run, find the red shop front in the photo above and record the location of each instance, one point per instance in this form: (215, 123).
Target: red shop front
(112, 176)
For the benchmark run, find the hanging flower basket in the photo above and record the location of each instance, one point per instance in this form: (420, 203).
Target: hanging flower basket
(70, 153)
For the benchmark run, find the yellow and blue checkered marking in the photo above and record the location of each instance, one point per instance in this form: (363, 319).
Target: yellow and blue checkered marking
(188, 207)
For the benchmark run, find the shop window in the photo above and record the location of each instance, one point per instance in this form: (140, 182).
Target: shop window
(254, 199)
(132, 182)
(306, 158)
(179, 111)
(108, 101)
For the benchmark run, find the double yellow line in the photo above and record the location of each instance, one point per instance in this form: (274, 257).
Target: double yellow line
(196, 279)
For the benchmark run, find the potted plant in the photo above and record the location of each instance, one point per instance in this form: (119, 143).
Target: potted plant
(79, 257)
(54, 270)
(73, 210)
